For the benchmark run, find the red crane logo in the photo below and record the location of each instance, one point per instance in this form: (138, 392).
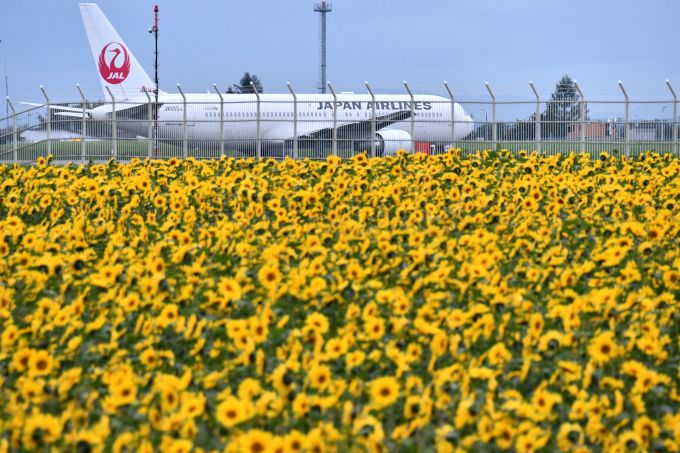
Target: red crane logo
(110, 66)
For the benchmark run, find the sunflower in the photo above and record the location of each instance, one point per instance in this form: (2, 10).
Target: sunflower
(355, 272)
(193, 405)
(485, 428)
(318, 322)
(40, 363)
(320, 377)
(258, 330)
(131, 302)
(269, 276)
(569, 436)
(168, 315)
(383, 391)
(543, 403)
(671, 279)
(368, 428)
(33, 391)
(603, 348)
(179, 446)
(645, 249)
(231, 412)
(149, 358)
(412, 407)
(229, 289)
(301, 405)
(354, 359)
(9, 336)
(160, 202)
(123, 442)
(295, 441)
(88, 441)
(647, 429)
(20, 359)
(375, 328)
(169, 398)
(525, 444)
(249, 388)
(630, 441)
(536, 324)
(40, 430)
(255, 441)
(123, 393)
(503, 434)
(551, 341)
(439, 344)
(465, 413)
(335, 348)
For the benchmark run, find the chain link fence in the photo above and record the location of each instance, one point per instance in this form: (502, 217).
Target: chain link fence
(297, 125)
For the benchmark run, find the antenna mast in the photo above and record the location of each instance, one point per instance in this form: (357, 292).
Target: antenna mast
(154, 30)
(323, 8)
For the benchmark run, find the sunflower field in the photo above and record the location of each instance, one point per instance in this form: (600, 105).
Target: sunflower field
(413, 303)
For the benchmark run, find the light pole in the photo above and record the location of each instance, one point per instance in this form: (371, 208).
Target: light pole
(154, 30)
(6, 92)
(663, 124)
(486, 122)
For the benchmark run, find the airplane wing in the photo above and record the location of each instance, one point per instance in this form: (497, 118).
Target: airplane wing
(57, 107)
(73, 114)
(135, 111)
(360, 129)
(126, 110)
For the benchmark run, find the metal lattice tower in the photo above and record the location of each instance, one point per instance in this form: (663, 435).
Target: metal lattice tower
(323, 8)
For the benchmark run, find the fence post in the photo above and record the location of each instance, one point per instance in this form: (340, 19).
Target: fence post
(150, 126)
(15, 156)
(49, 120)
(83, 142)
(626, 132)
(295, 121)
(217, 90)
(675, 117)
(453, 115)
(413, 117)
(185, 141)
(494, 131)
(373, 125)
(582, 117)
(114, 126)
(258, 140)
(537, 119)
(335, 120)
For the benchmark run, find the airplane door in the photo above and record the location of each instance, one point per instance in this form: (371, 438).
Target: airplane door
(192, 113)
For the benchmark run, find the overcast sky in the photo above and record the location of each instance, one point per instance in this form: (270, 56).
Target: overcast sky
(507, 43)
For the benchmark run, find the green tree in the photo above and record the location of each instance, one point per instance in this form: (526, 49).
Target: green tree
(563, 110)
(243, 86)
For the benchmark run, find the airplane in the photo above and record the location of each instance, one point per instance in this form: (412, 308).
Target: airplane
(121, 73)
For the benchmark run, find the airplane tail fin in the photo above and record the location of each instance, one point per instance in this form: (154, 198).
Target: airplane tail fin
(118, 68)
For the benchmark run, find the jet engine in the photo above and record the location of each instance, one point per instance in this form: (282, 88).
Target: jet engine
(390, 140)
(387, 142)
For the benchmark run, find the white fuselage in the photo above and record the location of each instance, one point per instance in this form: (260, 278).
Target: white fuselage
(432, 121)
